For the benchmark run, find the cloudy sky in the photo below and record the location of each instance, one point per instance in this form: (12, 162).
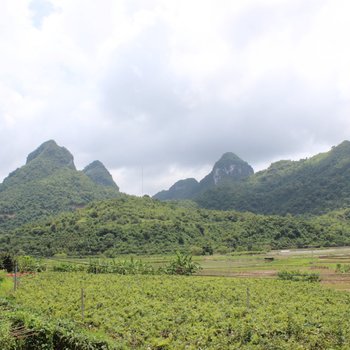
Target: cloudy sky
(167, 86)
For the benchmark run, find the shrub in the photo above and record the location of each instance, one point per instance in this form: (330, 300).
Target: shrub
(2, 276)
(7, 262)
(298, 276)
(29, 264)
(345, 268)
(196, 251)
(222, 249)
(67, 267)
(60, 255)
(207, 250)
(182, 265)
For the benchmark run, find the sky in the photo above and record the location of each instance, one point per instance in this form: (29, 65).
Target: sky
(159, 89)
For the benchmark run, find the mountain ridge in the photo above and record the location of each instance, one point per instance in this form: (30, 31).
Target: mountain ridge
(229, 168)
(48, 184)
(313, 185)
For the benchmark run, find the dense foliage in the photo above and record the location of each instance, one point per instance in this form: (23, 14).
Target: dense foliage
(146, 226)
(316, 185)
(25, 263)
(172, 312)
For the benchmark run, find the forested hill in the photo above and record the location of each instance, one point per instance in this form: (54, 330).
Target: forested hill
(48, 184)
(308, 186)
(315, 185)
(146, 226)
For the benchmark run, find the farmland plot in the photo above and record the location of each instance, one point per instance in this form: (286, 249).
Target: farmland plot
(173, 312)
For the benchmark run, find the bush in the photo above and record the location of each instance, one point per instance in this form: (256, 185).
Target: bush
(24, 263)
(196, 251)
(207, 250)
(67, 267)
(7, 262)
(222, 250)
(60, 255)
(298, 276)
(345, 268)
(182, 265)
(30, 264)
(2, 276)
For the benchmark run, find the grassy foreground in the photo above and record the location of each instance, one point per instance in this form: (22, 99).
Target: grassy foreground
(172, 312)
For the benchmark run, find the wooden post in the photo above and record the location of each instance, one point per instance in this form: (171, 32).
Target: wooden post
(15, 278)
(248, 298)
(82, 303)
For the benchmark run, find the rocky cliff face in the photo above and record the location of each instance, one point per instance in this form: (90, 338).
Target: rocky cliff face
(313, 185)
(228, 169)
(50, 151)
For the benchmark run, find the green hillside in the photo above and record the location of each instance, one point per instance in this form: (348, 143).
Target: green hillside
(46, 185)
(316, 185)
(98, 173)
(146, 226)
(182, 189)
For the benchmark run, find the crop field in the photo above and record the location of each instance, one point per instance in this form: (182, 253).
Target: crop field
(173, 312)
(266, 265)
(234, 302)
(321, 261)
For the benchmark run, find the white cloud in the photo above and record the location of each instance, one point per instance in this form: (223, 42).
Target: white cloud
(170, 85)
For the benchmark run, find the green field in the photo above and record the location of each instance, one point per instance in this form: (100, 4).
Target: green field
(245, 264)
(173, 312)
(234, 302)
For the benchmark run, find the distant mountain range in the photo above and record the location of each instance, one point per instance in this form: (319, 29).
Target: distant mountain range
(315, 185)
(49, 183)
(37, 203)
(229, 169)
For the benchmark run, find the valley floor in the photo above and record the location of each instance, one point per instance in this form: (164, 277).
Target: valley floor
(210, 311)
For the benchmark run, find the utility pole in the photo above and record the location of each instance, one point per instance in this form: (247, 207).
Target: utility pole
(248, 298)
(82, 300)
(141, 181)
